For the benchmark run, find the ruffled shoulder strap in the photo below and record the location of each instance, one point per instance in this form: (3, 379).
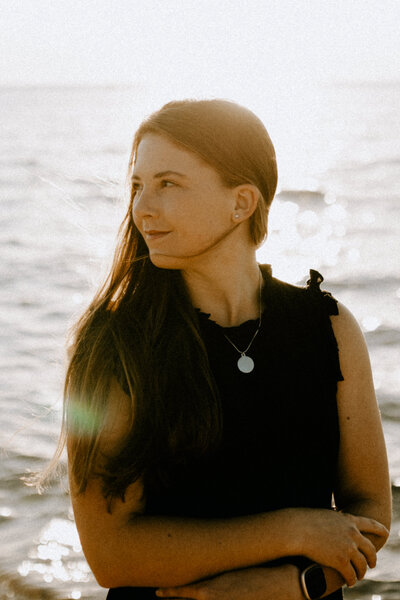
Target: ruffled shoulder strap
(313, 287)
(328, 306)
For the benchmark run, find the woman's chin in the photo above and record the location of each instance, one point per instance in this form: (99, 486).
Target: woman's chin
(163, 261)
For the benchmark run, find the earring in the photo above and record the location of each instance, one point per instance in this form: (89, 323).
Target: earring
(236, 216)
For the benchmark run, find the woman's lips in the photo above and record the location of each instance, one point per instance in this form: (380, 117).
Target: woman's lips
(155, 235)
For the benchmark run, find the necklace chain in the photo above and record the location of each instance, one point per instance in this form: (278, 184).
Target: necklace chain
(248, 365)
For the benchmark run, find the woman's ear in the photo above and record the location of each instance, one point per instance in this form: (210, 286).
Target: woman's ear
(246, 200)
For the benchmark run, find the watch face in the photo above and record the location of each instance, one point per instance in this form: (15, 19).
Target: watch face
(314, 579)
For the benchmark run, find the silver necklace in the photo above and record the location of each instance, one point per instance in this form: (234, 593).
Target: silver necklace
(246, 363)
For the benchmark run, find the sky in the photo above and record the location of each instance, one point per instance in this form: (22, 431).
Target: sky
(199, 46)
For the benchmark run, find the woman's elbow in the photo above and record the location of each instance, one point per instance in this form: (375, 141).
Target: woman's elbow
(386, 521)
(110, 575)
(101, 569)
(385, 516)
(118, 563)
(103, 580)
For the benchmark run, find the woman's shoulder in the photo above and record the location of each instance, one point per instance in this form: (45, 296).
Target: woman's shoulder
(348, 334)
(306, 315)
(308, 297)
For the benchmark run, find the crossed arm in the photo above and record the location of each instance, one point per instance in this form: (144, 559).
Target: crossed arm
(128, 548)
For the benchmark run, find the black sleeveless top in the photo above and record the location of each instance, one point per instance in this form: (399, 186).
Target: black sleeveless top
(280, 437)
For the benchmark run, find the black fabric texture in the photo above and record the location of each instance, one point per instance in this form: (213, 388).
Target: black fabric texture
(281, 434)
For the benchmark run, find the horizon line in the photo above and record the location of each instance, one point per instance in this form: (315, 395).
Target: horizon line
(19, 85)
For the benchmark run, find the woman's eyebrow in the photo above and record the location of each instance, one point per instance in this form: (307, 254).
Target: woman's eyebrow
(161, 174)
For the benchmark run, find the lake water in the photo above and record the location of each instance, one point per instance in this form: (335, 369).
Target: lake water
(63, 156)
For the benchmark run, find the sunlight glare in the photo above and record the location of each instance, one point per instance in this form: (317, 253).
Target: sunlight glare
(308, 219)
(370, 323)
(5, 512)
(336, 212)
(353, 255)
(58, 540)
(368, 218)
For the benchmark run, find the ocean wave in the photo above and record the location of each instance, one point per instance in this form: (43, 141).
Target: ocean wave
(368, 165)
(390, 409)
(365, 282)
(301, 194)
(16, 161)
(384, 336)
(13, 588)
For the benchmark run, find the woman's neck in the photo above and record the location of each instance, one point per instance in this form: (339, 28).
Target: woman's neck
(228, 289)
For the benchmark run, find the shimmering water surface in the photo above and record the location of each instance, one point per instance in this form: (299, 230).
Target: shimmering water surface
(63, 158)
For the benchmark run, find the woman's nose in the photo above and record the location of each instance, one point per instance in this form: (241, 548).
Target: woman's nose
(144, 204)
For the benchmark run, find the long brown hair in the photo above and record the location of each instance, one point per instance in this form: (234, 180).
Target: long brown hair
(141, 327)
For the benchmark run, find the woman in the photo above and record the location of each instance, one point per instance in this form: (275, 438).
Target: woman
(208, 419)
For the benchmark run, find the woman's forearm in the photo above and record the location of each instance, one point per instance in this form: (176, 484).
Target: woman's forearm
(164, 551)
(125, 547)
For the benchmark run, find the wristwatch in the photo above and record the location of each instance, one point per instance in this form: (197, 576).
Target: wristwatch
(313, 583)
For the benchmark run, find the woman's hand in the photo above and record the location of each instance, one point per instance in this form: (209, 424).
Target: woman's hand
(336, 540)
(329, 538)
(275, 583)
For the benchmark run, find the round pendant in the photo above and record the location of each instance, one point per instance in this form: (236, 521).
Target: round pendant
(245, 364)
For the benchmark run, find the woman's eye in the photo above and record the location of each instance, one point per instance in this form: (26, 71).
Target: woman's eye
(136, 186)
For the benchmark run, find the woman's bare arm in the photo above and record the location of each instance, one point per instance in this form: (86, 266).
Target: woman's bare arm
(128, 548)
(363, 484)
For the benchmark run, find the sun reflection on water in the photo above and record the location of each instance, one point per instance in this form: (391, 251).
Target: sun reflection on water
(5, 512)
(300, 239)
(57, 556)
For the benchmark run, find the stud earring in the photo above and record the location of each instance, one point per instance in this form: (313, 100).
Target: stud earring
(236, 216)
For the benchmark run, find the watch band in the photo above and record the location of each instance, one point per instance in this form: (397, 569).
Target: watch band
(312, 581)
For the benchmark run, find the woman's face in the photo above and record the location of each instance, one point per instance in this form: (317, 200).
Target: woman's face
(181, 207)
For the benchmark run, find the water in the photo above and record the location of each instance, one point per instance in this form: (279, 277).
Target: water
(63, 158)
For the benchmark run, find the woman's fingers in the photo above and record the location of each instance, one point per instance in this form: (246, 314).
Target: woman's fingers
(177, 592)
(367, 525)
(369, 551)
(354, 564)
(349, 574)
(360, 565)
(168, 593)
